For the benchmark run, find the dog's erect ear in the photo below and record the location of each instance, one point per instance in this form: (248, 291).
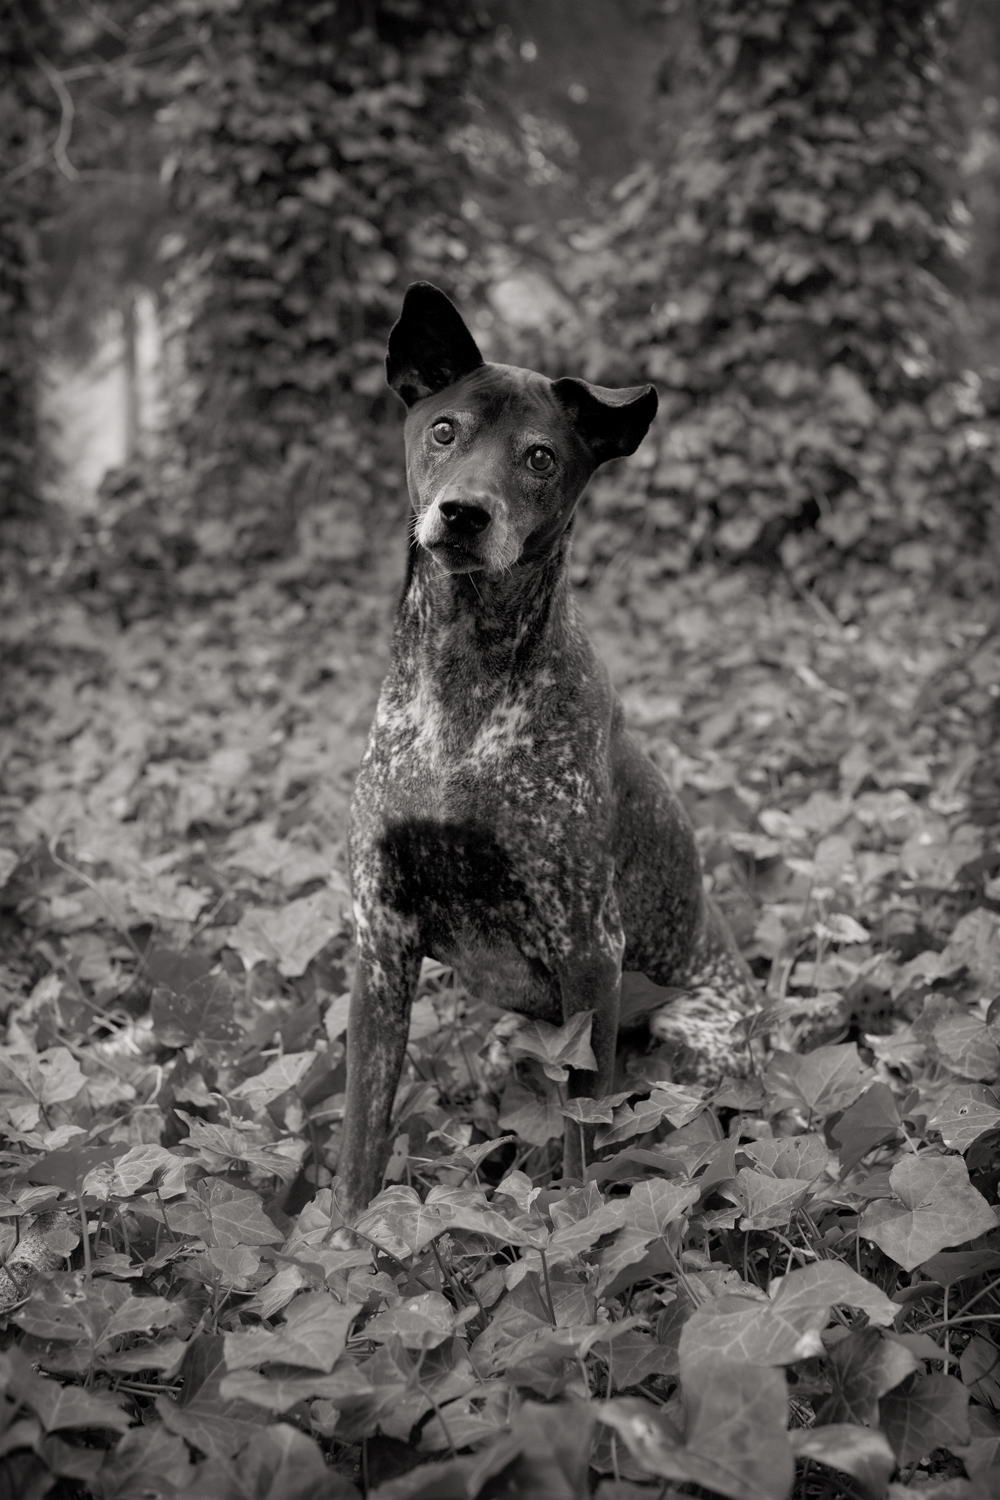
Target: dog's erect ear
(611, 423)
(430, 347)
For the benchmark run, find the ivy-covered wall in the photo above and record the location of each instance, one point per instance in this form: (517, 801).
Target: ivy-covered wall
(310, 179)
(789, 280)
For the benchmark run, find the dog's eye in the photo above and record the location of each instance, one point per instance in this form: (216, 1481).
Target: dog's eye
(443, 433)
(540, 460)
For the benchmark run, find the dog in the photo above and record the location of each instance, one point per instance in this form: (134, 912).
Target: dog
(504, 822)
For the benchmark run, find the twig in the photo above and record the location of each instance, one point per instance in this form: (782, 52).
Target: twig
(110, 26)
(68, 108)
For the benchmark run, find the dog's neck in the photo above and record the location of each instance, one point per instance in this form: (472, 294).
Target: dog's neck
(460, 630)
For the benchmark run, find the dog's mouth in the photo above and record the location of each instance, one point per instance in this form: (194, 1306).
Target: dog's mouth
(455, 557)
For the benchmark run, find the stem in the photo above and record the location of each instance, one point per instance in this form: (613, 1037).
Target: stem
(954, 1322)
(993, 1286)
(548, 1288)
(86, 1237)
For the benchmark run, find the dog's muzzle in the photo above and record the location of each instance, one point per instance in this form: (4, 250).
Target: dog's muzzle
(455, 532)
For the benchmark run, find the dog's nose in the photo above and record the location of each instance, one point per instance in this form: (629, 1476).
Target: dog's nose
(463, 518)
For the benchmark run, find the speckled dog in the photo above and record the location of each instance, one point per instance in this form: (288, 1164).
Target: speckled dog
(504, 821)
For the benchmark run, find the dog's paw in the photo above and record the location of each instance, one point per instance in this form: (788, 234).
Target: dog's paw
(699, 1028)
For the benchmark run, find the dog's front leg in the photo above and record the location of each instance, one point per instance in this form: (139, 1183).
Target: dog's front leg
(378, 1025)
(590, 978)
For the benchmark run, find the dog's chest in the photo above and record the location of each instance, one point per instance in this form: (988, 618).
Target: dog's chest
(479, 829)
(507, 758)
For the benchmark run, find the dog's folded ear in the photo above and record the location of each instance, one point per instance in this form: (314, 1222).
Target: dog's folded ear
(611, 423)
(429, 347)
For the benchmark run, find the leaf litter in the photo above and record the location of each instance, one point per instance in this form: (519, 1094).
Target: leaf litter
(796, 1273)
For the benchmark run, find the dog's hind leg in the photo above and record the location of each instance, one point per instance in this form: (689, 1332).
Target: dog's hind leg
(701, 1024)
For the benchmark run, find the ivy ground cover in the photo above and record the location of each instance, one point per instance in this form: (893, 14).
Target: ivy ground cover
(786, 1286)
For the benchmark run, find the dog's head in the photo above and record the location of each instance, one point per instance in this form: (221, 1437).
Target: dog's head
(496, 457)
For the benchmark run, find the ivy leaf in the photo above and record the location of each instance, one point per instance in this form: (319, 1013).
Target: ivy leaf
(67, 1169)
(633, 1356)
(533, 1116)
(627, 1249)
(59, 1406)
(284, 1073)
(745, 1331)
(868, 1122)
(313, 1336)
(68, 1307)
(558, 1048)
(145, 1459)
(767, 1202)
(474, 1156)
(966, 1046)
(865, 1455)
(553, 1444)
(819, 1082)
(398, 1222)
(467, 1208)
(139, 1315)
(966, 1114)
(980, 1367)
(801, 1156)
(834, 1284)
(667, 1102)
(291, 936)
(235, 1214)
(56, 1076)
(202, 1012)
(951, 1266)
(862, 1368)
(397, 1400)
(419, 1322)
(735, 1441)
(236, 1262)
(219, 1426)
(785, 1327)
(50, 1077)
(935, 1205)
(279, 1463)
(932, 1411)
(592, 1111)
(735, 1426)
(141, 1165)
(242, 1148)
(975, 945)
(653, 1204)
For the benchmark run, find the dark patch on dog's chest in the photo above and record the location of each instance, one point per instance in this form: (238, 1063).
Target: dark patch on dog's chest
(430, 869)
(473, 908)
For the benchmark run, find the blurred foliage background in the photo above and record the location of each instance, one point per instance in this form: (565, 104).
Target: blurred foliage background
(783, 212)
